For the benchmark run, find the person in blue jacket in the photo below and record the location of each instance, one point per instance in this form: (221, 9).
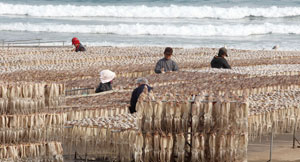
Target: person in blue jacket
(142, 83)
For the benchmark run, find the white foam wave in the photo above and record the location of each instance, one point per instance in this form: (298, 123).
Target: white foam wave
(142, 29)
(172, 11)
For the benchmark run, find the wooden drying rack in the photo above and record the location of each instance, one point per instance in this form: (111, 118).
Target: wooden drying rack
(188, 143)
(92, 94)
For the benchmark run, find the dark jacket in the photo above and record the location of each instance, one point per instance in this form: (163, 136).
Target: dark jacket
(168, 65)
(135, 96)
(80, 48)
(103, 87)
(219, 62)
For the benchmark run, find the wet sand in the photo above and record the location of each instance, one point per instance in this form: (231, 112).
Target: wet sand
(282, 149)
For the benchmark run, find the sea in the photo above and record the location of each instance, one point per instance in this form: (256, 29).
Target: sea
(241, 24)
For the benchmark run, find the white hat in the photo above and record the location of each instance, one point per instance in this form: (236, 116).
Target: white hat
(107, 76)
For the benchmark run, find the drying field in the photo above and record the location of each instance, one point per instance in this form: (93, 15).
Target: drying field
(196, 114)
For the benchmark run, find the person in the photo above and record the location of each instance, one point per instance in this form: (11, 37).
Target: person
(275, 47)
(166, 64)
(78, 45)
(106, 77)
(220, 61)
(142, 83)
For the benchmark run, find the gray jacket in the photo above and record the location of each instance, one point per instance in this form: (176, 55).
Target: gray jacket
(168, 65)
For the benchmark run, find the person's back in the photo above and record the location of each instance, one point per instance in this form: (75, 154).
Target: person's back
(142, 83)
(220, 61)
(78, 46)
(166, 63)
(103, 87)
(106, 77)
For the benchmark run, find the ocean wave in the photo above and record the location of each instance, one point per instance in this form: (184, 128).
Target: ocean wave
(145, 29)
(172, 11)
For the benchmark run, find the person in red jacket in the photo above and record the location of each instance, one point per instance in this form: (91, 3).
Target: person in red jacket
(78, 45)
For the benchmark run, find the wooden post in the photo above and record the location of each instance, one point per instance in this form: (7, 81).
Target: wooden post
(294, 135)
(271, 144)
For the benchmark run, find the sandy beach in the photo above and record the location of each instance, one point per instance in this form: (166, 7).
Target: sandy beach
(258, 78)
(282, 149)
(154, 84)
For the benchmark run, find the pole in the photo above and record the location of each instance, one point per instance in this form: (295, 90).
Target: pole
(294, 136)
(85, 139)
(39, 44)
(271, 145)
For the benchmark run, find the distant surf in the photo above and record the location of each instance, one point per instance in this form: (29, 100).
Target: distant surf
(241, 24)
(143, 29)
(143, 11)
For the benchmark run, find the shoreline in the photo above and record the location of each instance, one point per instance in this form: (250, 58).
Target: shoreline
(137, 46)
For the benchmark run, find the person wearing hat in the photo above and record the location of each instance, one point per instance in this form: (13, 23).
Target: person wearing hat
(220, 61)
(142, 83)
(106, 77)
(166, 64)
(78, 45)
